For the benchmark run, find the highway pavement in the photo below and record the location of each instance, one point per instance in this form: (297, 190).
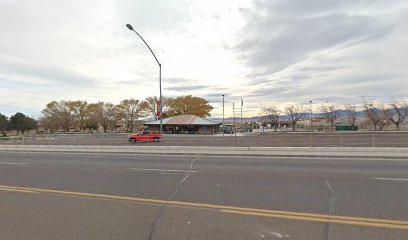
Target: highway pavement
(136, 196)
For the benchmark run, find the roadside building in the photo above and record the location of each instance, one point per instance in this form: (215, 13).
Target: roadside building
(228, 128)
(185, 124)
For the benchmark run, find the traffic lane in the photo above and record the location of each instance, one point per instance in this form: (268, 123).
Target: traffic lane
(41, 216)
(256, 190)
(57, 216)
(124, 183)
(209, 225)
(298, 185)
(325, 167)
(45, 216)
(128, 175)
(122, 162)
(190, 223)
(271, 183)
(107, 161)
(343, 232)
(374, 198)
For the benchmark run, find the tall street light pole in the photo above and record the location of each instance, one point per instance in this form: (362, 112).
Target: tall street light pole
(223, 114)
(160, 82)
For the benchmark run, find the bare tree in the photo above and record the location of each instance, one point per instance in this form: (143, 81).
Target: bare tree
(129, 110)
(116, 118)
(105, 113)
(150, 108)
(295, 114)
(376, 116)
(49, 124)
(383, 122)
(61, 113)
(329, 113)
(351, 114)
(396, 113)
(273, 114)
(92, 119)
(80, 109)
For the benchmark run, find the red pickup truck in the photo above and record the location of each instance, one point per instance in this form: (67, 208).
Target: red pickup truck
(144, 136)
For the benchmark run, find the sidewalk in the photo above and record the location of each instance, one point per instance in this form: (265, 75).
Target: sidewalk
(335, 152)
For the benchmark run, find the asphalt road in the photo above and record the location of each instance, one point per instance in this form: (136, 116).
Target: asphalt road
(322, 139)
(125, 196)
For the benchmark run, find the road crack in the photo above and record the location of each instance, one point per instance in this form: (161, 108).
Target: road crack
(172, 195)
(331, 210)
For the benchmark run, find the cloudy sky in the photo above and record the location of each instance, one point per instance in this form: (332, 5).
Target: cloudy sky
(267, 52)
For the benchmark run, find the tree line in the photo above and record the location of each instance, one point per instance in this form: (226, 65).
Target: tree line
(377, 114)
(81, 115)
(19, 122)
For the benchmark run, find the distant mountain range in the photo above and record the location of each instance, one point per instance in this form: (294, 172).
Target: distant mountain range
(342, 114)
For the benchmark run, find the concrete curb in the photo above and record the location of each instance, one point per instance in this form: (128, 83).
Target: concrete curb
(235, 154)
(372, 153)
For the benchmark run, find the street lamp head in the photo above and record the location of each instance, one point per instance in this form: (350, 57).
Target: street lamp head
(129, 26)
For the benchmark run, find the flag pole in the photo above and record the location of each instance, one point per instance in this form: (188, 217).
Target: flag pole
(242, 104)
(235, 130)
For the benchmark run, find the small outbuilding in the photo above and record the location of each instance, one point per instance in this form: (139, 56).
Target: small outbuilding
(185, 124)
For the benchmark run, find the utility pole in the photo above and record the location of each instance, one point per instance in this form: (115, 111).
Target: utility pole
(223, 128)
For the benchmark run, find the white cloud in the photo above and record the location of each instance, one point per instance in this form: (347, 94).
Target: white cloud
(265, 51)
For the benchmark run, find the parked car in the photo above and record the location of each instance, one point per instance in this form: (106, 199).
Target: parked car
(144, 136)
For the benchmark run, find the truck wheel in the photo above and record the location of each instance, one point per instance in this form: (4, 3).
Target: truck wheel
(156, 139)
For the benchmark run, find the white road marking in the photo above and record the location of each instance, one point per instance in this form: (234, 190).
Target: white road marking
(161, 170)
(276, 234)
(12, 163)
(392, 179)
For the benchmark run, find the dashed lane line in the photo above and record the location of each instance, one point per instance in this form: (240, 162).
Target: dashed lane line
(161, 170)
(392, 179)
